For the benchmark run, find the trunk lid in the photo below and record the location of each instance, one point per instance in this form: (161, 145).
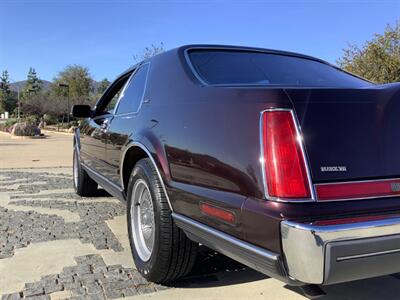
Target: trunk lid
(350, 134)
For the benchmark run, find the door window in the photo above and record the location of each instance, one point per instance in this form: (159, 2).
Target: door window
(108, 101)
(132, 95)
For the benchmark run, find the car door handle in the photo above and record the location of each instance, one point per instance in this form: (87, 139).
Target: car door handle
(104, 126)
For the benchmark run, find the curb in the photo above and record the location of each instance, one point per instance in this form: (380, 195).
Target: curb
(56, 132)
(17, 137)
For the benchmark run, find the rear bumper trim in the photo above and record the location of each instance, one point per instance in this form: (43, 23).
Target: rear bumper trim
(343, 258)
(362, 247)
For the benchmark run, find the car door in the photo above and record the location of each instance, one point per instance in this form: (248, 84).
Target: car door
(122, 126)
(93, 133)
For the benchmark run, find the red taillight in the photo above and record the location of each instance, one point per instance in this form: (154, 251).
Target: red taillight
(283, 159)
(358, 190)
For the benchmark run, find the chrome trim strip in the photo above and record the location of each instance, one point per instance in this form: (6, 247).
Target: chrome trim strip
(126, 86)
(344, 258)
(357, 181)
(102, 177)
(232, 240)
(192, 68)
(248, 49)
(260, 259)
(356, 198)
(262, 159)
(143, 147)
(304, 244)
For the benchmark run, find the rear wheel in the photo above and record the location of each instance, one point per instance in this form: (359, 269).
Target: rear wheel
(84, 185)
(161, 251)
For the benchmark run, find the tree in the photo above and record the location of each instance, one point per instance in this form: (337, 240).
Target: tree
(43, 103)
(149, 52)
(7, 102)
(377, 60)
(103, 85)
(33, 84)
(72, 86)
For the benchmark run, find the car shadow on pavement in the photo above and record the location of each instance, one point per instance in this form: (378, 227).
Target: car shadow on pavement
(386, 287)
(102, 193)
(213, 269)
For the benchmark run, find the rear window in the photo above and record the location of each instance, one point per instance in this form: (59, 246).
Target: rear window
(223, 67)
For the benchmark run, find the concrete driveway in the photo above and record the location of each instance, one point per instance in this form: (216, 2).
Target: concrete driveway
(18, 152)
(56, 245)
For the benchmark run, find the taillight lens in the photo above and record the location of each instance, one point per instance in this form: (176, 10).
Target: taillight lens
(283, 159)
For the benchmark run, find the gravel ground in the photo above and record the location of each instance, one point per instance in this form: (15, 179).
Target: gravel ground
(26, 195)
(91, 277)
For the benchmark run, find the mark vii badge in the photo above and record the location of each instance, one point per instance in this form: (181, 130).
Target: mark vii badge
(334, 169)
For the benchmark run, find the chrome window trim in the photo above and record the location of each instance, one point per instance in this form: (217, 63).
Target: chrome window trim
(143, 147)
(192, 68)
(115, 112)
(304, 244)
(262, 159)
(242, 49)
(258, 50)
(119, 77)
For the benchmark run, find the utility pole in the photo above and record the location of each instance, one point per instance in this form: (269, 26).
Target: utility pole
(64, 85)
(19, 103)
(18, 100)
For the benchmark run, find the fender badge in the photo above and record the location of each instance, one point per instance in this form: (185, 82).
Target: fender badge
(334, 169)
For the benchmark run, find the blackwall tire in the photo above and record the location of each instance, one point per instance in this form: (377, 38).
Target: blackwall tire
(172, 255)
(83, 185)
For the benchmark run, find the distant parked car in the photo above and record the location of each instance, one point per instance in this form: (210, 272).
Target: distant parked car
(278, 160)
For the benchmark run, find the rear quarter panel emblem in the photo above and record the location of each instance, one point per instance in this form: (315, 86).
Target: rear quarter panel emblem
(334, 169)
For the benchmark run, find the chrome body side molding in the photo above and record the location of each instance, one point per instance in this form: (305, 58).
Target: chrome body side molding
(109, 186)
(260, 259)
(143, 147)
(305, 247)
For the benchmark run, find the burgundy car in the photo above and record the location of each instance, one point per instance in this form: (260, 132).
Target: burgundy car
(278, 160)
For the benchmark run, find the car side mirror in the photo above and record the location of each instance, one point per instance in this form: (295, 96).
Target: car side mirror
(81, 111)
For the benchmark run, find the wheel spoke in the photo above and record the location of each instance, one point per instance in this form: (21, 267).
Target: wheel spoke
(142, 218)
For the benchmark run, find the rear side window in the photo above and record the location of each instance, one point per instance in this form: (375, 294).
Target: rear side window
(131, 97)
(255, 68)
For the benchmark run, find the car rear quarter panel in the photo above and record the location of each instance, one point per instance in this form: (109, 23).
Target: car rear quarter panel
(209, 150)
(210, 139)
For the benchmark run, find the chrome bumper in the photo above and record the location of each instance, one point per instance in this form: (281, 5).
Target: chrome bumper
(366, 249)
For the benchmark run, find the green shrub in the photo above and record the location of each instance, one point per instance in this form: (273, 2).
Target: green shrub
(32, 119)
(49, 119)
(11, 122)
(63, 125)
(7, 126)
(74, 123)
(25, 129)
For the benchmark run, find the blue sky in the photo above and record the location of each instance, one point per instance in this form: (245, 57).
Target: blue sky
(104, 35)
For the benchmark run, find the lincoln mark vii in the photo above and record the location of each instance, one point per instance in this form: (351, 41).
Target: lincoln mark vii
(278, 160)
